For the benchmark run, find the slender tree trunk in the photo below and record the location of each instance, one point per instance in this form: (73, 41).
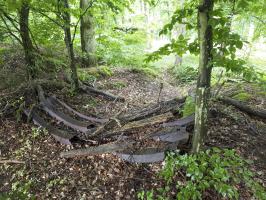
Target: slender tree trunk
(26, 39)
(69, 45)
(87, 35)
(204, 78)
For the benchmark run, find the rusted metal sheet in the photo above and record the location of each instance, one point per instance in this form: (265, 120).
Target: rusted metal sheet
(147, 155)
(181, 122)
(61, 136)
(48, 106)
(54, 100)
(172, 135)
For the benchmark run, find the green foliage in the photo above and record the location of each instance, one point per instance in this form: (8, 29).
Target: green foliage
(184, 74)
(119, 84)
(20, 191)
(148, 71)
(189, 107)
(221, 171)
(122, 49)
(242, 96)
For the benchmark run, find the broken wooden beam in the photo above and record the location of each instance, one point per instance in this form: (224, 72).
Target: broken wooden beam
(61, 136)
(102, 149)
(245, 108)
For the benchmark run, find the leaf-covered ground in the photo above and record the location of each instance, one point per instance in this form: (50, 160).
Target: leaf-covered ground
(106, 176)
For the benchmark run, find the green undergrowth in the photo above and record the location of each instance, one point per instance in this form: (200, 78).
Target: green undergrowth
(93, 73)
(222, 173)
(189, 107)
(242, 96)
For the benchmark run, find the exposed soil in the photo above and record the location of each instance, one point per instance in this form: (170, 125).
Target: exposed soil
(106, 176)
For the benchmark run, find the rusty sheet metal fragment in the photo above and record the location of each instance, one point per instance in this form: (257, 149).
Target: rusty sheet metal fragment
(181, 122)
(147, 155)
(54, 100)
(61, 136)
(172, 135)
(66, 119)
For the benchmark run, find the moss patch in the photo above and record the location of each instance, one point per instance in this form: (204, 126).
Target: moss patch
(242, 96)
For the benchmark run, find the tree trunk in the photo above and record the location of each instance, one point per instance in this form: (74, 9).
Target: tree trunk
(69, 45)
(205, 67)
(26, 40)
(87, 35)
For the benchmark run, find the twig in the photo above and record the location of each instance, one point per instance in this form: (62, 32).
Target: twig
(11, 162)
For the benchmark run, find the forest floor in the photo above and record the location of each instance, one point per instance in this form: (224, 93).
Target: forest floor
(106, 176)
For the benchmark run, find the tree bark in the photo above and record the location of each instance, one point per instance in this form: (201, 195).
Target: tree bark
(26, 39)
(69, 45)
(87, 35)
(205, 67)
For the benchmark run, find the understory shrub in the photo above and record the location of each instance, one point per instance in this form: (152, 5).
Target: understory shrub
(189, 107)
(122, 49)
(217, 172)
(184, 74)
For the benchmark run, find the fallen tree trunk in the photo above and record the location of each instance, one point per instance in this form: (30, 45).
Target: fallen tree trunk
(245, 108)
(105, 148)
(61, 136)
(107, 95)
(53, 99)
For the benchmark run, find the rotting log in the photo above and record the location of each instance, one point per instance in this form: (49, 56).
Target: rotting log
(107, 95)
(147, 155)
(102, 149)
(245, 108)
(133, 125)
(54, 100)
(61, 136)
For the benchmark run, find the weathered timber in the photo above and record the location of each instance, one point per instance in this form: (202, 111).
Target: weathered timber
(245, 108)
(147, 155)
(159, 108)
(61, 136)
(135, 125)
(107, 95)
(66, 119)
(171, 135)
(54, 100)
(105, 148)
(186, 121)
